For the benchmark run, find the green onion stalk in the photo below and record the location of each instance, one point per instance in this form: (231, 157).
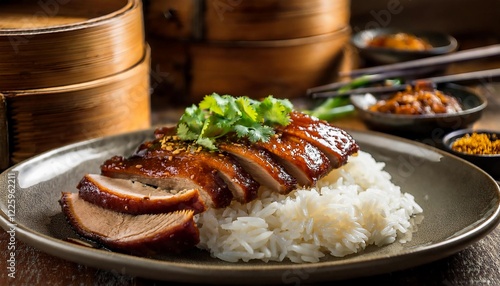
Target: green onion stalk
(336, 107)
(339, 106)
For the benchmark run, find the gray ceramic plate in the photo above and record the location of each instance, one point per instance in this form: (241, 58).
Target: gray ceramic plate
(473, 106)
(461, 204)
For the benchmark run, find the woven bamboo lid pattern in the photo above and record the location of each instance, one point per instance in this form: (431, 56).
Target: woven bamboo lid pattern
(35, 55)
(70, 72)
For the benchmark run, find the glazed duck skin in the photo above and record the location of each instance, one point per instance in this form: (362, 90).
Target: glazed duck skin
(301, 159)
(242, 185)
(334, 142)
(172, 174)
(135, 198)
(256, 161)
(261, 165)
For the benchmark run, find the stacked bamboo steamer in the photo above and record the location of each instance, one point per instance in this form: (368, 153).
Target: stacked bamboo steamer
(70, 71)
(254, 48)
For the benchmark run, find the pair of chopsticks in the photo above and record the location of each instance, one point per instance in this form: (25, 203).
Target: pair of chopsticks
(468, 76)
(404, 69)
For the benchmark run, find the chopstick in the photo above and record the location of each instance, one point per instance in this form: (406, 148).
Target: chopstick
(475, 75)
(372, 78)
(482, 52)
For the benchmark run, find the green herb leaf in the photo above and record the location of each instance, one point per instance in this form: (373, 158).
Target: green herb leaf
(218, 115)
(276, 110)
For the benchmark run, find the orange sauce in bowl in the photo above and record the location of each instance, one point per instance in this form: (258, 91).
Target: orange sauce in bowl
(400, 41)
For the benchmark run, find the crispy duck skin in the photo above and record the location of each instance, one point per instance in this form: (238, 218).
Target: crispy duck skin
(173, 173)
(261, 165)
(135, 198)
(336, 143)
(242, 184)
(257, 161)
(141, 235)
(301, 159)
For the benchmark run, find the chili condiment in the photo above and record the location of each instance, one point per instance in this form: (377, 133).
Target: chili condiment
(477, 144)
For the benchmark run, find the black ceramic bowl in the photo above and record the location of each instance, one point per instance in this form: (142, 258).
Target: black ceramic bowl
(489, 163)
(473, 105)
(441, 44)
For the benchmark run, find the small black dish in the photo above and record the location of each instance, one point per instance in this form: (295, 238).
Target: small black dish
(441, 44)
(489, 163)
(422, 125)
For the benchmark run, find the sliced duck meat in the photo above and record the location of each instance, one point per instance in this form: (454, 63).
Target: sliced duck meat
(301, 159)
(132, 197)
(172, 173)
(165, 131)
(261, 165)
(336, 143)
(135, 234)
(240, 182)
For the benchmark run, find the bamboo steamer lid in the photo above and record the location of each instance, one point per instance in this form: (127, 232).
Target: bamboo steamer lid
(70, 71)
(239, 20)
(43, 119)
(55, 43)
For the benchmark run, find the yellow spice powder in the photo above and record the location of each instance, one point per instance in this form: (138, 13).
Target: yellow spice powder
(477, 144)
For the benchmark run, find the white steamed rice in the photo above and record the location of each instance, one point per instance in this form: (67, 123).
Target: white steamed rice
(351, 208)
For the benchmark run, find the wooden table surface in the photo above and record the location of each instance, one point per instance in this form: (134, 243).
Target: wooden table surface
(478, 264)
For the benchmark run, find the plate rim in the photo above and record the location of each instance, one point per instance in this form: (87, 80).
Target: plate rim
(135, 266)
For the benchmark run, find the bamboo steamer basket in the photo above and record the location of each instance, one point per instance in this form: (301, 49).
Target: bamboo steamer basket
(70, 71)
(46, 43)
(253, 48)
(284, 68)
(43, 119)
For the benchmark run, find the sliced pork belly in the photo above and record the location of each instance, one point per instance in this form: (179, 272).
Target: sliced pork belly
(301, 159)
(172, 173)
(135, 234)
(261, 165)
(336, 143)
(131, 197)
(239, 181)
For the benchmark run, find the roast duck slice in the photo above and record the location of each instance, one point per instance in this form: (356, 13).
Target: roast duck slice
(261, 165)
(134, 234)
(172, 173)
(334, 142)
(135, 198)
(154, 190)
(299, 158)
(242, 185)
(254, 161)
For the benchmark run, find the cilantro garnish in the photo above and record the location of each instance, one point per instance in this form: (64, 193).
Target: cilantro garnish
(217, 115)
